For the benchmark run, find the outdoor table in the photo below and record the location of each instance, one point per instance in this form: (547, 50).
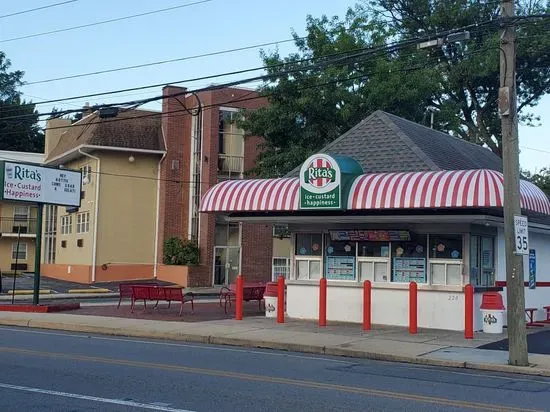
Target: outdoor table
(530, 312)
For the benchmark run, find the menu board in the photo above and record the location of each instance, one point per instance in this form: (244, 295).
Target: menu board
(409, 269)
(340, 267)
(370, 235)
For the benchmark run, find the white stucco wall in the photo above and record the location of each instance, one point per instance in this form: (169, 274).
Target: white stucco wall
(437, 309)
(535, 298)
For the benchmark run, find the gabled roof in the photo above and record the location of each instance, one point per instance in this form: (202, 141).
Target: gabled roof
(132, 129)
(386, 143)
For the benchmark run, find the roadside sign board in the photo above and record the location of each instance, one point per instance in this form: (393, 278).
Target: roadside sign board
(532, 269)
(521, 235)
(38, 184)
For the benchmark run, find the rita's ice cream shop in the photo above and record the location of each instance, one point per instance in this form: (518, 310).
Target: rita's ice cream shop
(442, 229)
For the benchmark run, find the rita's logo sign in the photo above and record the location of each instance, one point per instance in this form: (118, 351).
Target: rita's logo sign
(320, 173)
(320, 181)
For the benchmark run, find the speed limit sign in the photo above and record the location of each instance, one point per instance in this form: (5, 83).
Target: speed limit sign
(521, 235)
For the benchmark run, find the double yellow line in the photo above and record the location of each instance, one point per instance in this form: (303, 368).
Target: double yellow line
(268, 379)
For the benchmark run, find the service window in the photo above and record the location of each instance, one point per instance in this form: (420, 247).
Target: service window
(409, 260)
(340, 259)
(373, 261)
(446, 263)
(309, 252)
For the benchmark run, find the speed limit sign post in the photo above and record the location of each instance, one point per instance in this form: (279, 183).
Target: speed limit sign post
(521, 235)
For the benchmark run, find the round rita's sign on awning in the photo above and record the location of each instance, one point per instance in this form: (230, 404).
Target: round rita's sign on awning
(320, 183)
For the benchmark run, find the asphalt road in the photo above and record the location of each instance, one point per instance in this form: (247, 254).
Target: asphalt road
(51, 371)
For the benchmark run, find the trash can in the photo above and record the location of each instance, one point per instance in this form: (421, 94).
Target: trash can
(270, 300)
(492, 311)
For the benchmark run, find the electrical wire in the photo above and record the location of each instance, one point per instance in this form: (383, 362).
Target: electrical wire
(37, 8)
(427, 63)
(133, 16)
(390, 47)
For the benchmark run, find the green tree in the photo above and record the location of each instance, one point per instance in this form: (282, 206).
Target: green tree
(315, 103)
(540, 178)
(19, 129)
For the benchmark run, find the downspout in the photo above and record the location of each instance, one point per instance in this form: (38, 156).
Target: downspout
(96, 212)
(157, 218)
(156, 252)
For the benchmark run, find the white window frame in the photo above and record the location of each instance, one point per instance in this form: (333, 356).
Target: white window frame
(86, 171)
(66, 224)
(309, 259)
(286, 267)
(27, 213)
(373, 261)
(447, 263)
(83, 222)
(15, 251)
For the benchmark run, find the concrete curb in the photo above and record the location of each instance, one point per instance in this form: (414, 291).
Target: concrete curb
(533, 370)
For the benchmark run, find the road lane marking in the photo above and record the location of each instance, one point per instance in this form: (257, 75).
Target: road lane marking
(183, 345)
(267, 379)
(92, 398)
(477, 373)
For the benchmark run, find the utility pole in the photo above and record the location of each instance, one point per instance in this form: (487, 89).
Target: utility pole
(517, 336)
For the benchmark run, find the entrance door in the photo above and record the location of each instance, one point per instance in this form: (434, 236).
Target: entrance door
(227, 264)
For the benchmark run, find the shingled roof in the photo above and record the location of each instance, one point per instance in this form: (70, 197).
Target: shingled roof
(132, 129)
(386, 143)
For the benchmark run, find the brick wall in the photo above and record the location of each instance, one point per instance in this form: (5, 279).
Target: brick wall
(256, 239)
(257, 252)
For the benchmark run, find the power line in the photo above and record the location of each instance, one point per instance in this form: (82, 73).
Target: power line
(37, 8)
(229, 84)
(105, 21)
(390, 47)
(156, 63)
(224, 85)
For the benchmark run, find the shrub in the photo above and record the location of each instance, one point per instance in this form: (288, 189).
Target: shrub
(180, 252)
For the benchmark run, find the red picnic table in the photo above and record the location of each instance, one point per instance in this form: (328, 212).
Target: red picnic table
(251, 291)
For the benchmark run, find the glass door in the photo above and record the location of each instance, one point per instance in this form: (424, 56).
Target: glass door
(227, 264)
(482, 261)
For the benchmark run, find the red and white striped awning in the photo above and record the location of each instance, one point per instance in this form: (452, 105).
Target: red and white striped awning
(259, 195)
(446, 189)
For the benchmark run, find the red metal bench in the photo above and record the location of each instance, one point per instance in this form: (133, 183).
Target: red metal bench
(251, 291)
(547, 308)
(530, 312)
(125, 290)
(161, 293)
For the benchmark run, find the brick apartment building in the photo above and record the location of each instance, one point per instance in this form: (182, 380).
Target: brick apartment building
(145, 176)
(203, 150)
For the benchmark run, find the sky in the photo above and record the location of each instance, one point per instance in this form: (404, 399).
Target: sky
(201, 28)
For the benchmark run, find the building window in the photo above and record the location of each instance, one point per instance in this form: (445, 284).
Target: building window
(19, 251)
(340, 259)
(86, 171)
(308, 269)
(20, 213)
(446, 259)
(308, 244)
(83, 222)
(66, 224)
(409, 260)
(231, 146)
(281, 267)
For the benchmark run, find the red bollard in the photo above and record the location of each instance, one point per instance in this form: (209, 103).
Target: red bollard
(323, 302)
(413, 308)
(239, 298)
(281, 299)
(367, 305)
(468, 312)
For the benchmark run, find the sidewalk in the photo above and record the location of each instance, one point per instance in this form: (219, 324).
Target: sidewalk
(430, 347)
